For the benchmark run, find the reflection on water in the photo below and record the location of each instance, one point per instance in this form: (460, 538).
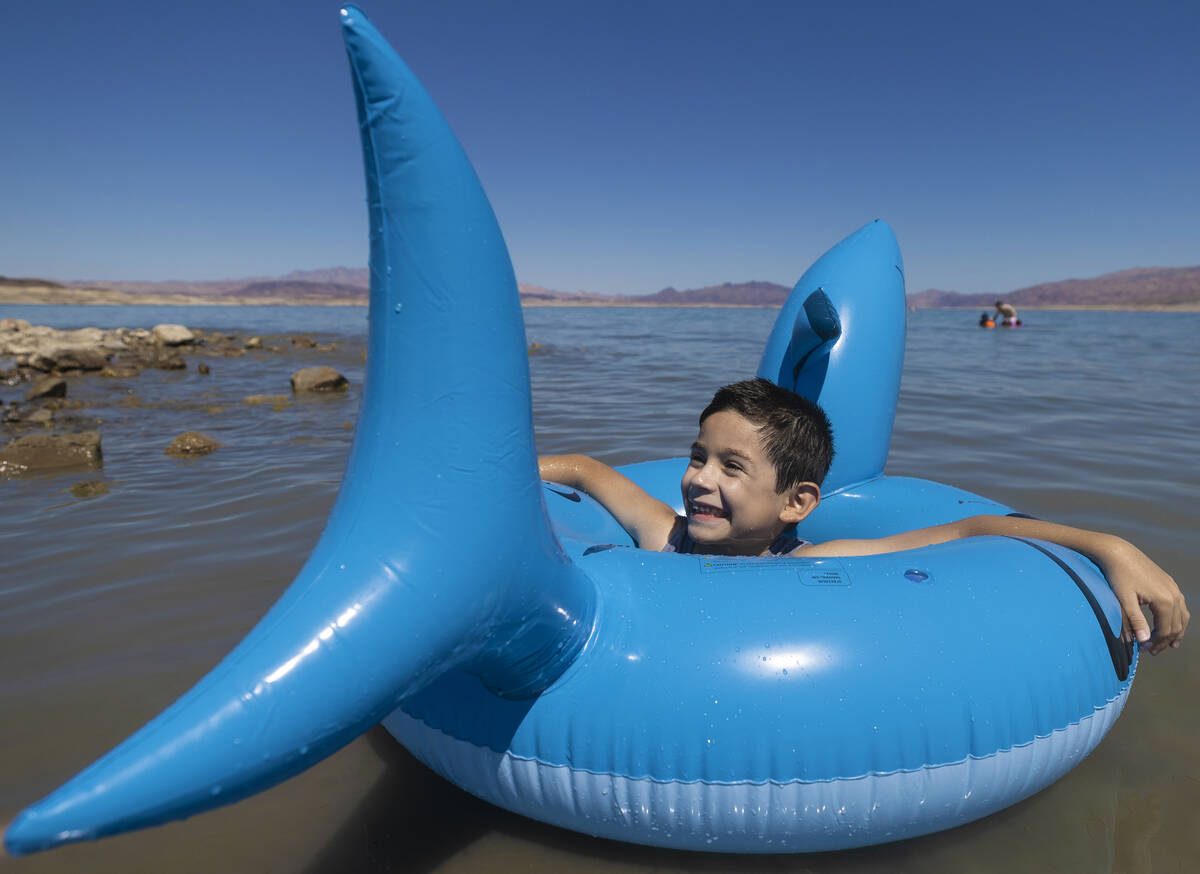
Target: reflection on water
(112, 605)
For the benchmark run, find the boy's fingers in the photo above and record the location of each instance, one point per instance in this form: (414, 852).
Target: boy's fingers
(1170, 621)
(1132, 612)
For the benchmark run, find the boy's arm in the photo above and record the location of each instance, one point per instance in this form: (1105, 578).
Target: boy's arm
(648, 520)
(1134, 578)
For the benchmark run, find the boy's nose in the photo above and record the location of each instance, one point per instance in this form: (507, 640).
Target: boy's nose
(703, 476)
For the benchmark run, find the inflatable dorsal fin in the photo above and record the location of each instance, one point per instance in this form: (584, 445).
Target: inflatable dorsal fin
(816, 329)
(437, 553)
(839, 341)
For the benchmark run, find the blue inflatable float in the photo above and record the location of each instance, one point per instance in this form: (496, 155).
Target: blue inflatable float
(510, 635)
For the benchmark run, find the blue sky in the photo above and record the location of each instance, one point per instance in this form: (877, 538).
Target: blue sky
(625, 146)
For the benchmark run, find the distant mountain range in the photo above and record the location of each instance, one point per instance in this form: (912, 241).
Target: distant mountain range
(1138, 288)
(755, 293)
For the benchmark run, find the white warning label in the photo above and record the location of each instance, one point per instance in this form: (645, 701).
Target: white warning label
(823, 574)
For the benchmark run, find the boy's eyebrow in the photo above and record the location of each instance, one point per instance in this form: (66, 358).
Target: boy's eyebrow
(730, 452)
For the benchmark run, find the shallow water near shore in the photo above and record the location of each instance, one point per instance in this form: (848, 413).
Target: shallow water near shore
(112, 606)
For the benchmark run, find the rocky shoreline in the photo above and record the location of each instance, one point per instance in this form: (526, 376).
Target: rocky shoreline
(47, 428)
(61, 390)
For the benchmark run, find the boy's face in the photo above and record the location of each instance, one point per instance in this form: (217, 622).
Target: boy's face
(728, 489)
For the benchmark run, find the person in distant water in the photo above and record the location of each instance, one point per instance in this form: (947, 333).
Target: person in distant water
(985, 321)
(1009, 312)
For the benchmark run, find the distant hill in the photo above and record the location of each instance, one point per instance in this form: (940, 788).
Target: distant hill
(1139, 287)
(756, 294)
(13, 282)
(357, 276)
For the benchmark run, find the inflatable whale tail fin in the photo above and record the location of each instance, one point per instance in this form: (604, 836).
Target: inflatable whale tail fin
(839, 341)
(437, 554)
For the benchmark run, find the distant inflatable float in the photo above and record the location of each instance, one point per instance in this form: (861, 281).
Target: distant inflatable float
(509, 634)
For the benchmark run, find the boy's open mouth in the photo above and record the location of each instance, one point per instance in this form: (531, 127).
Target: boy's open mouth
(696, 508)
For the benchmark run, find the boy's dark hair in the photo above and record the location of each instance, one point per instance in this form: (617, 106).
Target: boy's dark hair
(795, 432)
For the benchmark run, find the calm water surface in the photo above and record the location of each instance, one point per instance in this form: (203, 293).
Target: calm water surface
(111, 607)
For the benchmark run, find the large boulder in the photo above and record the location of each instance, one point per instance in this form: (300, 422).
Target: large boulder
(68, 358)
(50, 349)
(173, 335)
(50, 451)
(318, 379)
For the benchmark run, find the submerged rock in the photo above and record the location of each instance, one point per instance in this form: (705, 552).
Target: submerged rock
(166, 362)
(89, 488)
(318, 379)
(277, 401)
(47, 387)
(120, 372)
(192, 444)
(254, 343)
(50, 451)
(15, 375)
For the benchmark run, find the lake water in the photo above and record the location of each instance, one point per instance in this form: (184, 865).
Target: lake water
(110, 607)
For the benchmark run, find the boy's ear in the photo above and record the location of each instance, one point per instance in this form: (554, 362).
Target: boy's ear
(801, 502)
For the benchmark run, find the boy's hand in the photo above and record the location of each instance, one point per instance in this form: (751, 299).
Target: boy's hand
(1136, 580)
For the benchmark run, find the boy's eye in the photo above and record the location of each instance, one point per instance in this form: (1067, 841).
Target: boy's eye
(732, 466)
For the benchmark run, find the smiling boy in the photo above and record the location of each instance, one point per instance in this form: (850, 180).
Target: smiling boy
(755, 471)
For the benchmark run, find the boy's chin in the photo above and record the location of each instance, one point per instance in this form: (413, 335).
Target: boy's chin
(707, 530)
(713, 536)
